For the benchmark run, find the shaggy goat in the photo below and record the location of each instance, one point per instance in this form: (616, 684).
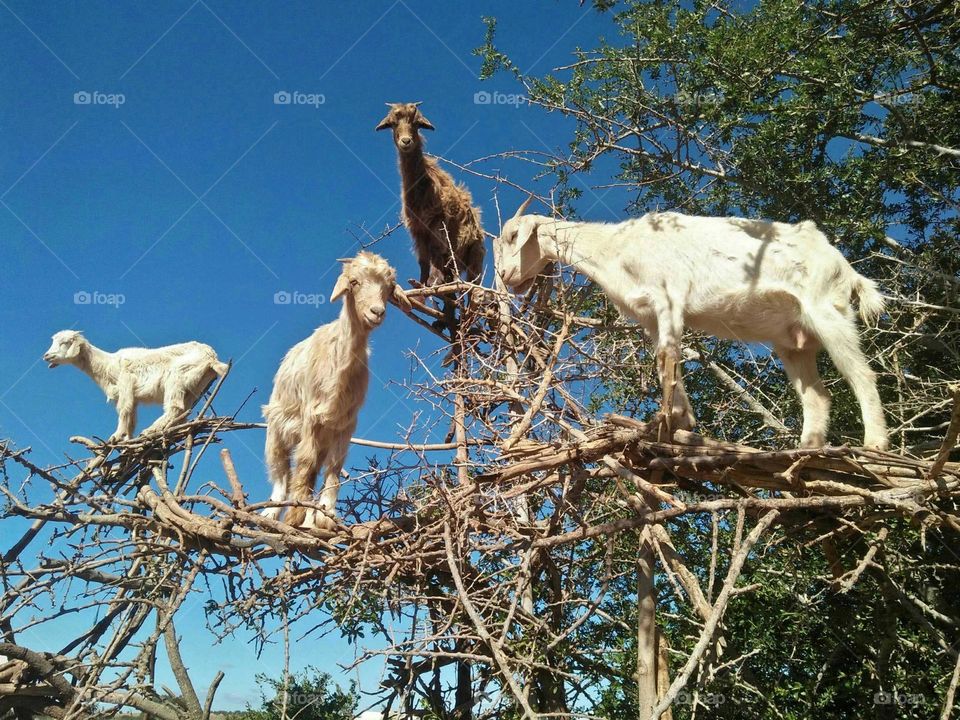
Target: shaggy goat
(174, 376)
(749, 280)
(318, 391)
(438, 213)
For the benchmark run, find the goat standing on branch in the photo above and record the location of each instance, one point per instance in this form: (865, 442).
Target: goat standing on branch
(174, 375)
(437, 212)
(318, 391)
(733, 278)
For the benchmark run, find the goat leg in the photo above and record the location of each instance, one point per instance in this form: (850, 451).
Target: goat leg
(667, 366)
(450, 315)
(424, 272)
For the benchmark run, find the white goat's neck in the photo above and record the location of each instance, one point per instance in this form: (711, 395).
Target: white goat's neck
(584, 246)
(96, 363)
(352, 339)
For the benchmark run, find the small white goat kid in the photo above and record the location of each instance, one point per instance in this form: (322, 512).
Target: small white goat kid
(748, 280)
(174, 376)
(319, 389)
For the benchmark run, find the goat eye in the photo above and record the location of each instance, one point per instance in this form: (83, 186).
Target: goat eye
(354, 283)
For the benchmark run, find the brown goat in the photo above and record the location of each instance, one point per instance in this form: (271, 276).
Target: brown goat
(438, 213)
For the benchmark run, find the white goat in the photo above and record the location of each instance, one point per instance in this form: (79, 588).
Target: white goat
(749, 280)
(318, 391)
(174, 376)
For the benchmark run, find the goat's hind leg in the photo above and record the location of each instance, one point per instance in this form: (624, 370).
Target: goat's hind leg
(175, 406)
(838, 333)
(801, 368)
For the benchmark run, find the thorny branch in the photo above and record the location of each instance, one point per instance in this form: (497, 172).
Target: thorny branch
(494, 551)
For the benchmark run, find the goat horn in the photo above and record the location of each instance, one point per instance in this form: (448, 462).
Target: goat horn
(344, 259)
(523, 208)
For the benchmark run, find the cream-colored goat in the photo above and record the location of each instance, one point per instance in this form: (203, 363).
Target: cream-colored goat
(319, 389)
(174, 376)
(749, 280)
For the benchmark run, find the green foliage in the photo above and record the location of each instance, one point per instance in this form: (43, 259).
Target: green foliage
(309, 695)
(838, 111)
(843, 112)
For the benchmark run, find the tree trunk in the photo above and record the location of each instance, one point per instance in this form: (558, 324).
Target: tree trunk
(647, 652)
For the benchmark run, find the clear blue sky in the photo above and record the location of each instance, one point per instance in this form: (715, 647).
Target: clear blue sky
(198, 198)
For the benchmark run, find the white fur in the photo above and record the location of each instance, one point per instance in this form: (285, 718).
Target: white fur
(174, 376)
(777, 283)
(319, 389)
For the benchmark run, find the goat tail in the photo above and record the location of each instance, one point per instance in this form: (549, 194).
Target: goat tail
(869, 300)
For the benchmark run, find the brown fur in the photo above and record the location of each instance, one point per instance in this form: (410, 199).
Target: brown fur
(438, 213)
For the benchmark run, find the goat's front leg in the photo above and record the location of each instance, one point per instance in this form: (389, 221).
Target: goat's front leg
(424, 271)
(675, 412)
(449, 314)
(308, 459)
(277, 455)
(336, 455)
(126, 412)
(448, 306)
(667, 366)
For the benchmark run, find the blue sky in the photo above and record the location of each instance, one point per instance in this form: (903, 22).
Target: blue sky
(197, 199)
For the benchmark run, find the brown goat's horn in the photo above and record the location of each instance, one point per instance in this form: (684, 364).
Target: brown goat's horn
(344, 259)
(523, 208)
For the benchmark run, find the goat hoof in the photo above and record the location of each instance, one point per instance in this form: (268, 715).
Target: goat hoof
(319, 521)
(813, 442)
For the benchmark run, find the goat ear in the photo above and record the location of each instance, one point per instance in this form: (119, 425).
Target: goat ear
(403, 302)
(526, 231)
(343, 284)
(387, 122)
(424, 124)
